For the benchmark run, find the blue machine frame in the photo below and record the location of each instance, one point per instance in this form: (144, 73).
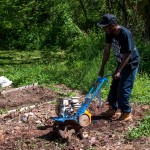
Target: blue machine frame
(92, 93)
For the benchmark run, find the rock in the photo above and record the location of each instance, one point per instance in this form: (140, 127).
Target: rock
(85, 135)
(24, 118)
(27, 117)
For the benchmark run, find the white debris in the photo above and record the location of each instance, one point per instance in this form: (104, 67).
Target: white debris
(4, 82)
(11, 111)
(38, 122)
(23, 109)
(32, 106)
(85, 135)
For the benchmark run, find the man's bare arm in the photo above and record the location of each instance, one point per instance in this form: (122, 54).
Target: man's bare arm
(124, 61)
(106, 55)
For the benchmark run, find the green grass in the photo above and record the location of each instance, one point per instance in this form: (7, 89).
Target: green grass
(48, 68)
(142, 130)
(141, 89)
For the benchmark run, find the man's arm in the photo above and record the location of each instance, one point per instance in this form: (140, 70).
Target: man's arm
(124, 61)
(105, 58)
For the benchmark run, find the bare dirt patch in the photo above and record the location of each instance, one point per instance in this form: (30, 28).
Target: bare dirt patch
(25, 96)
(31, 128)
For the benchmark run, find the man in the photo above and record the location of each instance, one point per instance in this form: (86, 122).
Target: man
(126, 54)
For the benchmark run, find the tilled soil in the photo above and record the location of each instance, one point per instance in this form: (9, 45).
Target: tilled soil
(27, 125)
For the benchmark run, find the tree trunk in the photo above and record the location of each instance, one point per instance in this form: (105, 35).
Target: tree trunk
(85, 14)
(123, 7)
(110, 5)
(125, 12)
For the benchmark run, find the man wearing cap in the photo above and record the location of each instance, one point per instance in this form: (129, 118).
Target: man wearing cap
(127, 57)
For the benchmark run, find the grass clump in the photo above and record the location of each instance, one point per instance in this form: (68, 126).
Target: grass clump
(142, 130)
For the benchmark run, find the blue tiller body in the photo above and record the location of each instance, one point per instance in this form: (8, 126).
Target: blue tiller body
(89, 97)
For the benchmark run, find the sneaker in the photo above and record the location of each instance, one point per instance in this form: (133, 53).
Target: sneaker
(108, 113)
(125, 117)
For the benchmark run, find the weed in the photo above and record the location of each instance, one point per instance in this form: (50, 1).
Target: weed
(3, 111)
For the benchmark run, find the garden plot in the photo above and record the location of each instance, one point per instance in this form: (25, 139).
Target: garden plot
(25, 123)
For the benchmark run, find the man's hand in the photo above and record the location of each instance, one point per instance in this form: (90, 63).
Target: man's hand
(116, 75)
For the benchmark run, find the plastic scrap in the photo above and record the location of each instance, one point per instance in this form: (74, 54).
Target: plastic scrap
(4, 82)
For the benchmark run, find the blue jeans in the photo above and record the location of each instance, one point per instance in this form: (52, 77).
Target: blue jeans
(120, 90)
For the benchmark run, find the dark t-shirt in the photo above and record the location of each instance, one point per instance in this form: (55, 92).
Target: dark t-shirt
(123, 43)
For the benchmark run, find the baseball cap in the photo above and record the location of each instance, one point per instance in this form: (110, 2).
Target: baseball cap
(107, 19)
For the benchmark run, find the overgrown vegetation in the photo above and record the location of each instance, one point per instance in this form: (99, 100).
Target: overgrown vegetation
(55, 42)
(59, 24)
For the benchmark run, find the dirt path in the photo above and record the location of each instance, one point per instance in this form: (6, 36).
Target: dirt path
(27, 125)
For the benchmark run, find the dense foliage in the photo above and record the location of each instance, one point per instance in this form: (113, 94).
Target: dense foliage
(33, 24)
